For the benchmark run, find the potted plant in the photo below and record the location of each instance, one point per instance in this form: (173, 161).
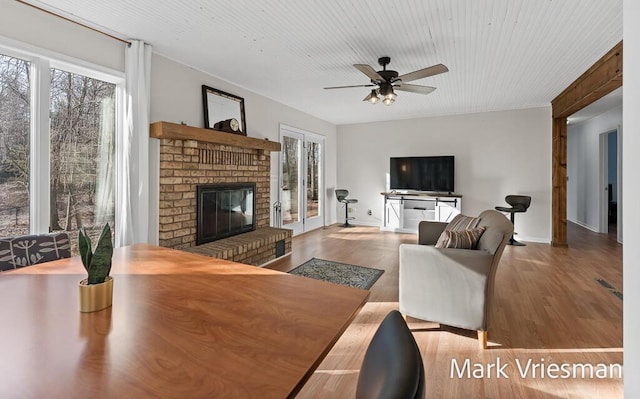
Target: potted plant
(96, 291)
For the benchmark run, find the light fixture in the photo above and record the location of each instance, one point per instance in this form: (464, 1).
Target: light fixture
(372, 97)
(386, 90)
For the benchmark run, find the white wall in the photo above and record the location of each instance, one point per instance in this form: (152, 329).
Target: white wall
(583, 167)
(176, 97)
(631, 193)
(497, 153)
(28, 25)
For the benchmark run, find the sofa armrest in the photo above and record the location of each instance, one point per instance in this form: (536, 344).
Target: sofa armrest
(444, 284)
(429, 232)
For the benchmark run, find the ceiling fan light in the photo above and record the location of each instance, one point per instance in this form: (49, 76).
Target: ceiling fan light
(387, 93)
(373, 97)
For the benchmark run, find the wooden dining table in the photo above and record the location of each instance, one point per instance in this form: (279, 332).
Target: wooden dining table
(182, 325)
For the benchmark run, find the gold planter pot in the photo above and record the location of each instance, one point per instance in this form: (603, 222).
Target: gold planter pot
(94, 297)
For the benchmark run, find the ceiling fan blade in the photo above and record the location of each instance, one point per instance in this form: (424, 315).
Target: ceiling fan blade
(414, 88)
(423, 73)
(346, 87)
(369, 71)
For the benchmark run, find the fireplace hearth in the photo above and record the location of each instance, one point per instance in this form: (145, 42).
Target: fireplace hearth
(224, 210)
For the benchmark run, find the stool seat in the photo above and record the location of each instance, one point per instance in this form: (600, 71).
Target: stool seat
(519, 204)
(513, 209)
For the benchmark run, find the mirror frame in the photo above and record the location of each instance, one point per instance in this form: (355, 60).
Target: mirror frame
(212, 114)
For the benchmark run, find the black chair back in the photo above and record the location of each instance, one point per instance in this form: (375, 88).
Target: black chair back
(520, 202)
(392, 366)
(28, 250)
(341, 194)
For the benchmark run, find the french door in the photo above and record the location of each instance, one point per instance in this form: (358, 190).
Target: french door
(301, 179)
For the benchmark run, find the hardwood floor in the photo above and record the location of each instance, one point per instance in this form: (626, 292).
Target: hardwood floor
(548, 309)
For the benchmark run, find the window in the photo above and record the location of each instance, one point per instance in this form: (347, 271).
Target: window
(15, 107)
(82, 136)
(58, 162)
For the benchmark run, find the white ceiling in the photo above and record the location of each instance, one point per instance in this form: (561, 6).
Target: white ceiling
(502, 54)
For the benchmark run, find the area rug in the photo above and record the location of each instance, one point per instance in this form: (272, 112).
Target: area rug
(338, 273)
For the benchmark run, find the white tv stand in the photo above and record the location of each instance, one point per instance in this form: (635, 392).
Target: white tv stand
(403, 211)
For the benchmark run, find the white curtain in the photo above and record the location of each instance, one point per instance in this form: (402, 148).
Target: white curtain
(132, 224)
(104, 203)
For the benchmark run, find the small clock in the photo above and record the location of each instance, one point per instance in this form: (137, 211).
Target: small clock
(234, 125)
(230, 125)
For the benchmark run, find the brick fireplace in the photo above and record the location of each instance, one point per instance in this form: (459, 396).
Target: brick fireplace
(192, 157)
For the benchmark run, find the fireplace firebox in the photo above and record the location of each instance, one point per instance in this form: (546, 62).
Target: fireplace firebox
(224, 210)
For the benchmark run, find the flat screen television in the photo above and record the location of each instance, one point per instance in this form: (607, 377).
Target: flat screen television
(434, 174)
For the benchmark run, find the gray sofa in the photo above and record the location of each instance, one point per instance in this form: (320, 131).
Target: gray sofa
(453, 286)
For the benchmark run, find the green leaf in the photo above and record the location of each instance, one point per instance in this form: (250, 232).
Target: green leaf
(100, 265)
(84, 244)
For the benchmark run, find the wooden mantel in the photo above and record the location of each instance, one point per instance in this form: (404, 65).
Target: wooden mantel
(174, 131)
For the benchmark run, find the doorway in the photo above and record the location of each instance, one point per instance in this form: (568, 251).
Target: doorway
(301, 180)
(611, 190)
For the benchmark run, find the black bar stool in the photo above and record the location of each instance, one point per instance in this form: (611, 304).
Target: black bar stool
(519, 203)
(342, 195)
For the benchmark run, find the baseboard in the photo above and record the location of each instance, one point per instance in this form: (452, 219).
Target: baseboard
(275, 260)
(538, 240)
(586, 226)
(360, 223)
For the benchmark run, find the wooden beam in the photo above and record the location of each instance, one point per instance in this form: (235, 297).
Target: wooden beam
(168, 130)
(559, 183)
(600, 79)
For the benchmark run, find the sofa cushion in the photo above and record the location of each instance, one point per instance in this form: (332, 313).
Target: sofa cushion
(461, 239)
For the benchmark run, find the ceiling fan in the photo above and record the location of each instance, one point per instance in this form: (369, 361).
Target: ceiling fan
(388, 80)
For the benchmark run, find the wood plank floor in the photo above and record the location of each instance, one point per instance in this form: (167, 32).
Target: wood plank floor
(548, 308)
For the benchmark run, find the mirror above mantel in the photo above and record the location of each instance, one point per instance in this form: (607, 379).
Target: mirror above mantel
(220, 107)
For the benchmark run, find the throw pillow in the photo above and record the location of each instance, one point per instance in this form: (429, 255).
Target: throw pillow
(463, 239)
(459, 223)
(462, 222)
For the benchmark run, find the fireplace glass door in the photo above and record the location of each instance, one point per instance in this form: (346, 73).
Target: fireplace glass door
(224, 210)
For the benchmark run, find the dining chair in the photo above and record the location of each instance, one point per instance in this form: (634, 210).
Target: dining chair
(392, 366)
(28, 250)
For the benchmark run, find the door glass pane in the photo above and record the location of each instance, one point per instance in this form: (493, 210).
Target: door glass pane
(290, 172)
(313, 179)
(82, 112)
(14, 146)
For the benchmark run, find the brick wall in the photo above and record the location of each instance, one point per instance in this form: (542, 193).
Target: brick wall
(186, 163)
